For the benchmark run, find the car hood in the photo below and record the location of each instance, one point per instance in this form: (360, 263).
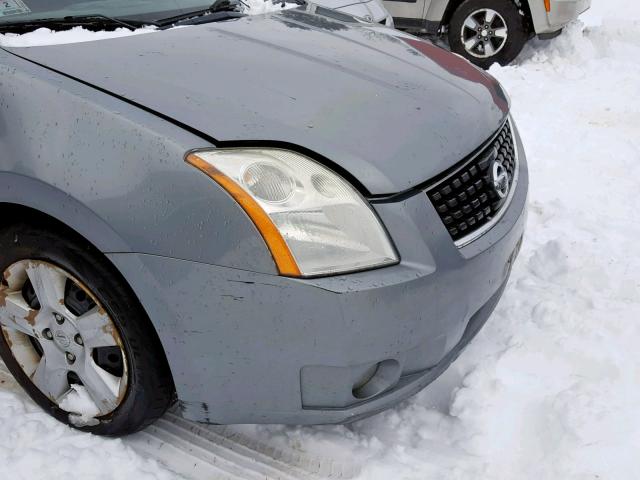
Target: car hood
(388, 108)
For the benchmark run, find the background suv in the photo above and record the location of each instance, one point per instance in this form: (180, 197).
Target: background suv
(486, 31)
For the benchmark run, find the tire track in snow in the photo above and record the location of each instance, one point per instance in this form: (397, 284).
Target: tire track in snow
(199, 452)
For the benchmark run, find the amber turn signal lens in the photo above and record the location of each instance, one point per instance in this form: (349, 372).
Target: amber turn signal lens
(279, 249)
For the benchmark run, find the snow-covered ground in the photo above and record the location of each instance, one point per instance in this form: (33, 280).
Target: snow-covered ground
(550, 388)
(33, 446)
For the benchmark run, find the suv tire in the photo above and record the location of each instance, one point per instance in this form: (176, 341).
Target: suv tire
(487, 31)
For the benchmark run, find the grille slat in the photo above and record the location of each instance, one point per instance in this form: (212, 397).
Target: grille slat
(466, 199)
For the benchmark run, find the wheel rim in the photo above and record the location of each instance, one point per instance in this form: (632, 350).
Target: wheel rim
(63, 339)
(484, 33)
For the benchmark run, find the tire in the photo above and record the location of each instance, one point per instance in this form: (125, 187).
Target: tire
(505, 37)
(114, 321)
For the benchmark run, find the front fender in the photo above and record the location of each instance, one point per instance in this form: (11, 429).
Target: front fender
(114, 172)
(20, 190)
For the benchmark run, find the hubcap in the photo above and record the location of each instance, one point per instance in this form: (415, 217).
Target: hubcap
(484, 33)
(58, 333)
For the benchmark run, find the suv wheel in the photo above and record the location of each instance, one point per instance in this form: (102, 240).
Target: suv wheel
(487, 31)
(75, 337)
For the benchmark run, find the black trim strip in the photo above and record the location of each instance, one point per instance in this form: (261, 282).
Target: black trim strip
(426, 185)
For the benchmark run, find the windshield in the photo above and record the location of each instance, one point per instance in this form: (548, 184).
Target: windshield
(12, 11)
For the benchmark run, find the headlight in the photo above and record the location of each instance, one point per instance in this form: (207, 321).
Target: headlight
(312, 220)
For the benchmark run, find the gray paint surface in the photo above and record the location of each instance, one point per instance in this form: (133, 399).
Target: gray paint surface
(240, 339)
(267, 78)
(114, 173)
(389, 109)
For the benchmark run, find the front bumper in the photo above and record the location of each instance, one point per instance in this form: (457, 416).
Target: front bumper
(561, 13)
(246, 347)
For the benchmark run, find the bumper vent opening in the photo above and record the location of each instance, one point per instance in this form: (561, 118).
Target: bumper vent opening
(385, 377)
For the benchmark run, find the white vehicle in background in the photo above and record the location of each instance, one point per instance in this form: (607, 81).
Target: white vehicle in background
(371, 10)
(486, 31)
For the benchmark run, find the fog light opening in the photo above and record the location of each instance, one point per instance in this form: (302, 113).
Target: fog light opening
(385, 377)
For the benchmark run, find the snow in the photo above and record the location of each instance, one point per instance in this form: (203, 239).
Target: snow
(550, 388)
(258, 7)
(45, 36)
(34, 446)
(81, 406)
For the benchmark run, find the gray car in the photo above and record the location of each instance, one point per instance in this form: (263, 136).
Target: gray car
(289, 218)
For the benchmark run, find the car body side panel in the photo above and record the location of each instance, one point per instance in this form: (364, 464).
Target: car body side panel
(435, 10)
(561, 13)
(370, 10)
(430, 10)
(373, 11)
(406, 8)
(420, 15)
(114, 173)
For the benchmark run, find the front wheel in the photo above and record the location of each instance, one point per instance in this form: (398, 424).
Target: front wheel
(487, 31)
(75, 337)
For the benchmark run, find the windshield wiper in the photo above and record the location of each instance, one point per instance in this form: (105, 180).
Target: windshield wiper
(219, 10)
(90, 21)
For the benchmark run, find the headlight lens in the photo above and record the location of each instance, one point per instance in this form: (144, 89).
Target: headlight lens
(313, 221)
